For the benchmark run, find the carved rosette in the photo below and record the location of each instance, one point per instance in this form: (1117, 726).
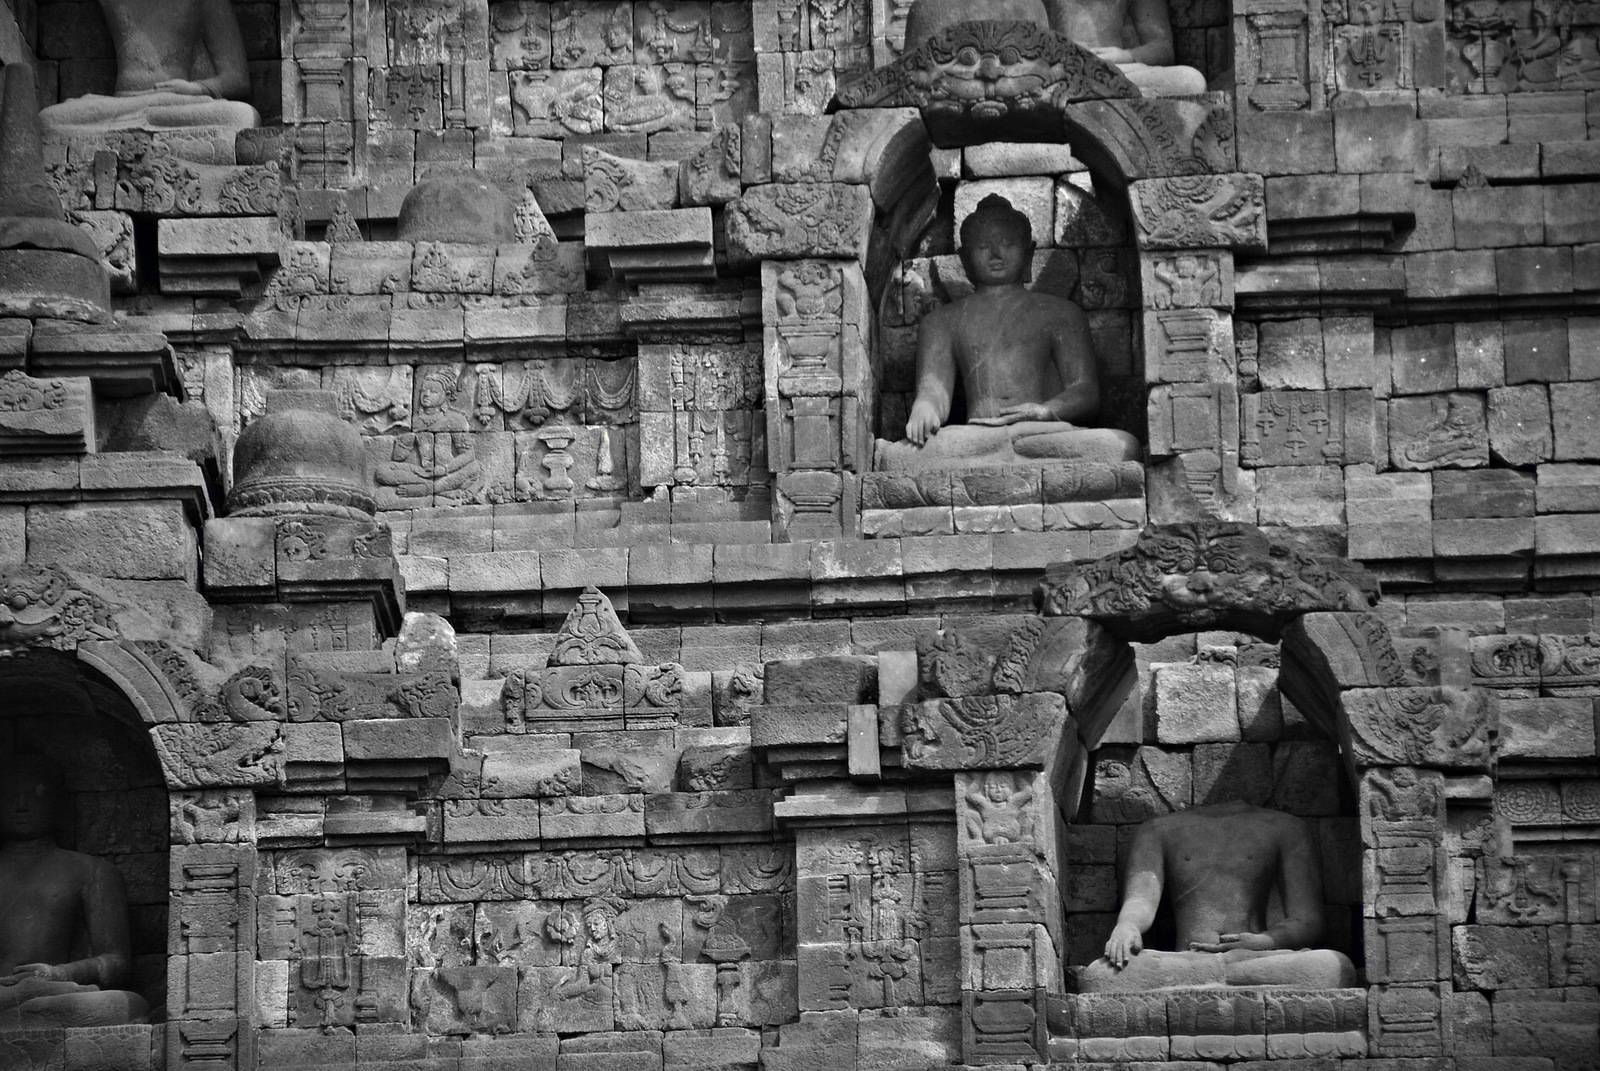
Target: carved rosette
(989, 80)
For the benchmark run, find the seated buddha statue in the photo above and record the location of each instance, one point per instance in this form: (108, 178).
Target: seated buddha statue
(1026, 364)
(54, 905)
(1218, 865)
(158, 45)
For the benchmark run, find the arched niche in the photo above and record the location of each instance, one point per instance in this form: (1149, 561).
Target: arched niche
(1166, 166)
(116, 800)
(1129, 759)
(1030, 703)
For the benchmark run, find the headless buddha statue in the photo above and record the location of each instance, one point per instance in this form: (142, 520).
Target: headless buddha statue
(158, 44)
(55, 904)
(1025, 360)
(1219, 865)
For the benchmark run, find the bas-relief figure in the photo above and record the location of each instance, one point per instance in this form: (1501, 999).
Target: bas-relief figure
(159, 44)
(53, 904)
(1219, 866)
(1025, 360)
(1135, 35)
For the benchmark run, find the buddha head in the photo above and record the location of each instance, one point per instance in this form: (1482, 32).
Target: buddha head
(997, 244)
(30, 797)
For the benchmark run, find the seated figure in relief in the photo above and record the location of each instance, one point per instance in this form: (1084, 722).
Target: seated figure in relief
(1136, 35)
(158, 44)
(1025, 360)
(63, 918)
(1219, 865)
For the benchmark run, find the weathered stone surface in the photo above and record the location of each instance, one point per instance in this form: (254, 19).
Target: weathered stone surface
(804, 219)
(1447, 727)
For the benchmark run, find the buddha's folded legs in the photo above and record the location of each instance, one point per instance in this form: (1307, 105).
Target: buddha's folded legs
(90, 1007)
(1310, 968)
(1074, 444)
(1306, 968)
(96, 113)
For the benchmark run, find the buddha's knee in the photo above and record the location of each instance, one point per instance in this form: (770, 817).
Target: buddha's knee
(1088, 444)
(1310, 968)
(1173, 81)
(1152, 970)
(204, 111)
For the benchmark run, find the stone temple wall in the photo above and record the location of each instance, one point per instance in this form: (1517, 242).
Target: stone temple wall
(489, 637)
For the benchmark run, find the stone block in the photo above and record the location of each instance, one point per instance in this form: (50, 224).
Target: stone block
(1196, 703)
(1451, 273)
(528, 766)
(1520, 429)
(835, 679)
(1290, 355)
(398, 739)
(1438, 431)
(1195, 212)
(1495, 216)
(1500, 957)
(1480, 355)
(1535, 351)
(803, 219)
(713, 813)
(1560, 1024)
(1547, 727)
(1422, 358)
(1567, 488)
(1385, 138)
(1533, 270)
(1483, 537)
(129, 541)
(239, 553)
(583, 817)
(507, 570)
(1313, 197)
(1482, 493)
(45, 416)
(1572, 415)
(682, 227)
(720, 1049)
(1286, 143)
(1300, 495)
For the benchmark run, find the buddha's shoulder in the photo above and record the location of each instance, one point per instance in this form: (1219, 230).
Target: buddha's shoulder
(1055, 303)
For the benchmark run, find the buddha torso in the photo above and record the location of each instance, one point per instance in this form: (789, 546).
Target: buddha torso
(1002, 341)
(156, 40)
(42, 904)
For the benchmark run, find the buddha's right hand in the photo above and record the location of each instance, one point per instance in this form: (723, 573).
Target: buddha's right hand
(1126, 942)
(924, 421)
